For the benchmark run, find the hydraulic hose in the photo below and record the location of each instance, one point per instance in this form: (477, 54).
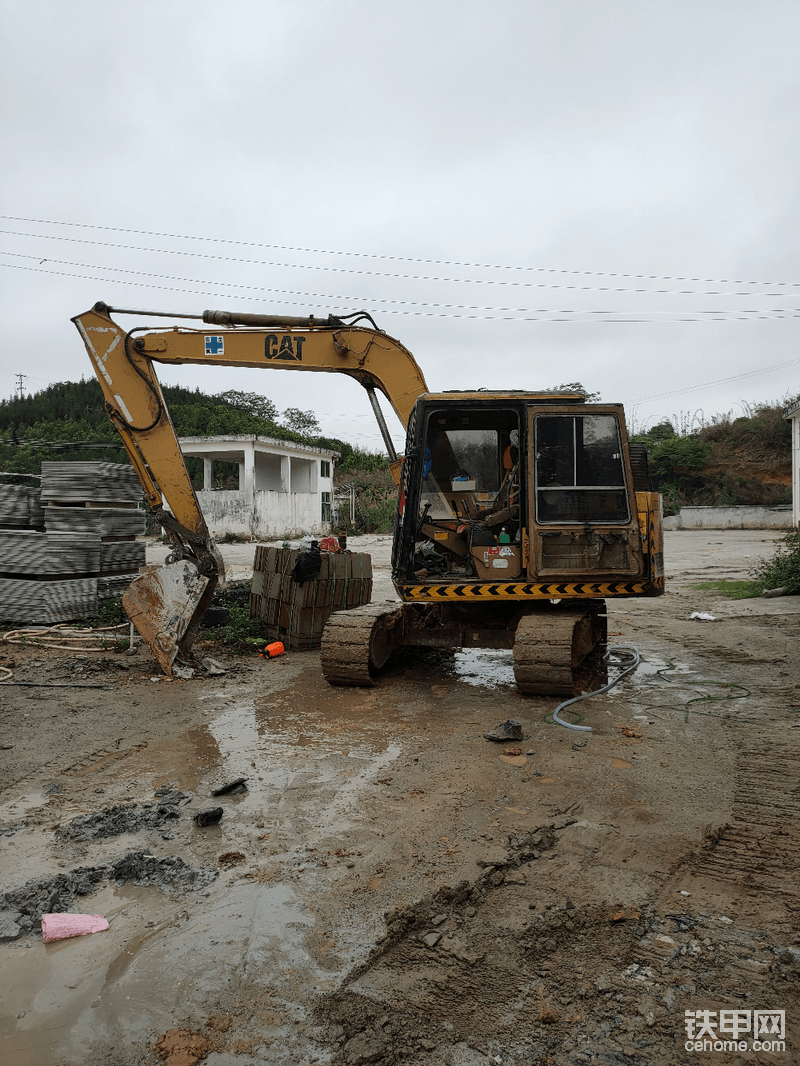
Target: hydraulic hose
(628, 658)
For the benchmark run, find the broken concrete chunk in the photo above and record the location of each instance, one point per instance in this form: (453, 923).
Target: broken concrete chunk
(508, 730)
(210, 816)
(431, 939)
(9, 930)
(515, 877)
(232, 787)
(212, 667)
(363, 1048)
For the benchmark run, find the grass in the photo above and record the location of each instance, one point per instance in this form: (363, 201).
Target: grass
(735, 590)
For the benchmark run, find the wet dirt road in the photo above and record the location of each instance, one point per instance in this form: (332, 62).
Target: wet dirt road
(392, 887)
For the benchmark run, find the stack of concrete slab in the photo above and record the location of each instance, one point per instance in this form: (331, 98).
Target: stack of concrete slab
(20, 507)
(48, 577)
(88, 553)
(296, 614)
(101, 499)
(78, 482)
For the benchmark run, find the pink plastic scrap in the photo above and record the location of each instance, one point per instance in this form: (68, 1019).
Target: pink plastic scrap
(60, 926)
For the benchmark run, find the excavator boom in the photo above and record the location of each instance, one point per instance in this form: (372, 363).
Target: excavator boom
(166, 606)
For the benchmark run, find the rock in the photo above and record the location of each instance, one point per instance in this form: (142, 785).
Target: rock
(362, 1048)
(431, 939)
(515, 877)
(508, 730)
(625, 914)
(183, 673)
(232, 787)
(439, 919)
(547, 1016)
(9, 930)
(209, 816)
(212, 667)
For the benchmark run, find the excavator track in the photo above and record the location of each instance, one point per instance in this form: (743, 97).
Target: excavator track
(356, 644)
(560, 652)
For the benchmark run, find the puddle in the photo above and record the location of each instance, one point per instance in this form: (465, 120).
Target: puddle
(332, 818)
(157, 964)
(485, 667)
(15, 810)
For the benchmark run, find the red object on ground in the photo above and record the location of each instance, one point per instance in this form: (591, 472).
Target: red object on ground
(329, 544)
(272, 650)
(60, 926)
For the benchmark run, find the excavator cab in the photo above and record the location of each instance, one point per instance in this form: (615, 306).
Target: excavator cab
(529, 487)
(518, 515)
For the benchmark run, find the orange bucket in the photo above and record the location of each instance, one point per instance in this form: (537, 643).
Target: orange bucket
(271, 650)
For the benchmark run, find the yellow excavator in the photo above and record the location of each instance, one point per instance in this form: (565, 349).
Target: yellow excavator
(518, 515)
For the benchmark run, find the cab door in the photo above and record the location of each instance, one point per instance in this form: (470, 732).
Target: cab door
(583, 520)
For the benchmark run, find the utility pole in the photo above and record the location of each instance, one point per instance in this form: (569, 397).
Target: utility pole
(20, 378)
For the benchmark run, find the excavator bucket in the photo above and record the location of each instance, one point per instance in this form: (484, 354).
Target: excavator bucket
(166, 606)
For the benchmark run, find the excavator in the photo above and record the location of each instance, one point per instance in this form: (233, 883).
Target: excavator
(519, 513)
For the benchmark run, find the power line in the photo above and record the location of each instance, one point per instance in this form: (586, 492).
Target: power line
(383, 274)
(531, 314)
(718, 381)
(398, 258)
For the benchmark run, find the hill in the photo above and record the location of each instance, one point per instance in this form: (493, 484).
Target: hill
(724, 460)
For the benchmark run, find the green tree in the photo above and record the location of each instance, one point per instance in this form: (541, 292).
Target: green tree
(304, 422)
(252, 402)
(575, 386)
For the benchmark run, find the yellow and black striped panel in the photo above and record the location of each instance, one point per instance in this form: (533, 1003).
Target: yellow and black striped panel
(524, 591)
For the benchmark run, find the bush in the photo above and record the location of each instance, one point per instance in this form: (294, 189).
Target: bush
(783, 571)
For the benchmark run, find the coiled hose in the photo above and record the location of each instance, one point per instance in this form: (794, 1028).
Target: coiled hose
(628, 658)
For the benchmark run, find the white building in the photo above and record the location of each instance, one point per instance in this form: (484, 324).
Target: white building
(285, 489)
(793, 413)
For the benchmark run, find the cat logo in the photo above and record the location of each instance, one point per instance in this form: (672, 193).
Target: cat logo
(289, 349)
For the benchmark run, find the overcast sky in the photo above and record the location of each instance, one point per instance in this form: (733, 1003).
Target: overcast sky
(497, 182)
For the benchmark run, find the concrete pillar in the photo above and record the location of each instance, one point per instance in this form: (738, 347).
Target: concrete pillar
(286, 474)
(249, 486)
(208, 475)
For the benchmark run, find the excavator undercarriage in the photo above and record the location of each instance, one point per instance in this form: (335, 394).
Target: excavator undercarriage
(558, 649)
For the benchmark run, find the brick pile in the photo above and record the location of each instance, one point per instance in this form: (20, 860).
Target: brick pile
(296, 614)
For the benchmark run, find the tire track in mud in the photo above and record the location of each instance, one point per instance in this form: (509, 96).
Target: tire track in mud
(475, 970)
(760, 848)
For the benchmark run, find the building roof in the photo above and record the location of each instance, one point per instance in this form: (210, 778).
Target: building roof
(234, 442)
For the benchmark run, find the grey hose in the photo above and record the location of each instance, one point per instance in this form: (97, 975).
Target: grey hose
(629, 662)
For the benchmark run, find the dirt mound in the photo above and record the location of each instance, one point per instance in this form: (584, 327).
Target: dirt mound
(471, 969)
(124, 818)
(58, 894)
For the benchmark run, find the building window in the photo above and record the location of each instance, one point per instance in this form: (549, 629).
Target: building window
(324, 468)
(326, 506)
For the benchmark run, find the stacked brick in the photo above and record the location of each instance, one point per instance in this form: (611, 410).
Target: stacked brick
(296, 614)
(88, 552)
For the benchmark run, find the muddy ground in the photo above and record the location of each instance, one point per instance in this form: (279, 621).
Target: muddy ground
(391, 887)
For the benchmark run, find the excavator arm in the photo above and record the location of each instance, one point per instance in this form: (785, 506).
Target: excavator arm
(166, 606)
